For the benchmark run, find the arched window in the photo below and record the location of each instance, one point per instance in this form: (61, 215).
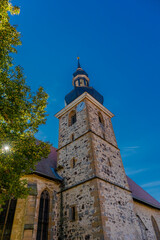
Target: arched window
(142, 228)
(43, 218)
(155, 226)
(6, 219)
(72, 118)
(101, 120)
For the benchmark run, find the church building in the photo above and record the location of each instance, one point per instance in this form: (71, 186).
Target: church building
(81, 191)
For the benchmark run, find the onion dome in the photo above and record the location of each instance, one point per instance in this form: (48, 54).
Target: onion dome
(80, 82)
(80, 77)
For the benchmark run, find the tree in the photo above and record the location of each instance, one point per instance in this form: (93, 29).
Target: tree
(21, 113)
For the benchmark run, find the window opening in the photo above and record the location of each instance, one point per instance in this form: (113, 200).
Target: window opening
(81, 82)
(101, 121)
(155, 226)
(109, 162)
(72, 118)
(142, 228)
(6, 219)
(72, 213)
(74, 162)
(43, 218)
(72, 137)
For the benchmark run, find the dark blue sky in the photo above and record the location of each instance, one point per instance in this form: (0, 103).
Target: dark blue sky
(119, 47)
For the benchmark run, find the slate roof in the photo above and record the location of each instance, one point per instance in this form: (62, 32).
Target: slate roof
(77, 91)
(79, 71)
(46, 167)
(141, 195)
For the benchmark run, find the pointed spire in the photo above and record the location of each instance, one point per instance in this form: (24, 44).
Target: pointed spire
(79, 66)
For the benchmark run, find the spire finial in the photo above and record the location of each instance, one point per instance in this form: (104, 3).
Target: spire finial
(79, 66)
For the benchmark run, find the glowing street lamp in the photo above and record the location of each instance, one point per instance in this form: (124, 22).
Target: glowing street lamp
(6, 148)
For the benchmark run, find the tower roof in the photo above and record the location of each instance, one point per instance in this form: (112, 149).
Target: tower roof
(80, 82)
(79, 70)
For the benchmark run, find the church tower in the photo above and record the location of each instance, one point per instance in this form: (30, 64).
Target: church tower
(95, 200)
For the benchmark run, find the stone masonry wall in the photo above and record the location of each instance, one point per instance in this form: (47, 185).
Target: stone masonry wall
(26, 214)
(80, 150)
(108, 162)
(145, 212)
(97, 127)
(118, 217)
(90, 152)
(78, 128)
(87, 224)
(96, 153)
(95, 183)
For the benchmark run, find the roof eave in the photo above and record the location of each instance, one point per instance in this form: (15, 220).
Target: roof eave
(46, 176)
(145, 202)
(78, 100)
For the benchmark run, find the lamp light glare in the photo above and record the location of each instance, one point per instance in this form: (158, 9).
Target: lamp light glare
(6, 148)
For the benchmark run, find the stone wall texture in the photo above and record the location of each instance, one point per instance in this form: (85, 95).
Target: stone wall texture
(97, 127)
(145, 213)
(80, 149)
(87, 224)
(119, 220)
(79, 128)
(94, 186)
(108, 162)
(27, 210)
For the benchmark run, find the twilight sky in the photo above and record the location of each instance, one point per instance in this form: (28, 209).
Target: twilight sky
(119, 47)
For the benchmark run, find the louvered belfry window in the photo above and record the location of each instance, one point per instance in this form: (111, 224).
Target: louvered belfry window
(72, 118)
(43, 218)
(6, 219)
(101, 120)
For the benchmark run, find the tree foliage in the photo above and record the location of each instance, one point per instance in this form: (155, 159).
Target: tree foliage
(21, 113)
